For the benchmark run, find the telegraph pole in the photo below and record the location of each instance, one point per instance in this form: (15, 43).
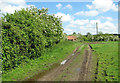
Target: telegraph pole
(96, 28)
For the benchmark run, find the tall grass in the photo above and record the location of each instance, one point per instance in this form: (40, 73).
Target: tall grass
(51, 56)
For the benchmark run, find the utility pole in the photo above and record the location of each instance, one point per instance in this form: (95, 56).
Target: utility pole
(96, 28)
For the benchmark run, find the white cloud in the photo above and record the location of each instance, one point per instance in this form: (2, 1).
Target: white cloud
(69, 30)
(16, 2)
(99, 6)
(115, 7)
(94, 22)
(71, 25)
(106, 18)
(85, 29)
(108, 25)
(10, 6)
(89, 6)
(103, 5)
(87, 13)
(28, 6)
(80, 22)
(68, 7)
(109, 18)
(84, 26)
(65, 17)
(59, 6)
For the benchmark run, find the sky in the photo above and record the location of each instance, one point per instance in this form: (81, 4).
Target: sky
(79, 17)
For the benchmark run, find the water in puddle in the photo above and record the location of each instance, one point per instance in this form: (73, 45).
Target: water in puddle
(78, 69)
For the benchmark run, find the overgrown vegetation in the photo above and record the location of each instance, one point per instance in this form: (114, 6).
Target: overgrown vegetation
(42, 64)
(26, 34)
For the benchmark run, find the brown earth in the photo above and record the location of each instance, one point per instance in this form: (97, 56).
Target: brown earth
(84, 74)
(76, 68)
(57, 71)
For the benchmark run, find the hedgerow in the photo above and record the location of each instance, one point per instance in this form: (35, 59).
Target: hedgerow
(26, 34)
(99, 37)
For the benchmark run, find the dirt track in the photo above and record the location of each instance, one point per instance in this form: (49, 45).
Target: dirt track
(85, 68)
(76, 68)
(57, 71)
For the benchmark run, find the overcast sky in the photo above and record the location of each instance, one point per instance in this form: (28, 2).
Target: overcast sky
(79, 17)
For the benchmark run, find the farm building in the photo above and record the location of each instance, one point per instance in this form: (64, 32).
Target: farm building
(73, 38)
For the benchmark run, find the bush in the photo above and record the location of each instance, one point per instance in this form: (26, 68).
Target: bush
(26, 34)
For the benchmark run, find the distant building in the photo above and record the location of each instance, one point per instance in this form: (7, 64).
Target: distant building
(73, 38)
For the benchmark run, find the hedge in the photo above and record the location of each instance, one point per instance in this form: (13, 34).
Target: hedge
(26, 34)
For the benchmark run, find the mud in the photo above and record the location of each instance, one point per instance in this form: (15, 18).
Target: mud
(85, 68)
(58, 70)
(79, 71)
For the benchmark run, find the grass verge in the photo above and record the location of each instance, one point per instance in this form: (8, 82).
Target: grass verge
(107, 55)
(42, 64)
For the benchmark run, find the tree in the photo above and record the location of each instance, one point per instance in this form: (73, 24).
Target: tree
(74, 33)
(88, 33)
(65, 34)
(100, 33)
(89, 36)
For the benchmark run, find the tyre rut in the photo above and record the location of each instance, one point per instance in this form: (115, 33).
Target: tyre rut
(50, 76)
(85, 68)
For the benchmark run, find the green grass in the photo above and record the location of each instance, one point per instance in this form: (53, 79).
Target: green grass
(107, 55)
(42, 64)
(93, 66)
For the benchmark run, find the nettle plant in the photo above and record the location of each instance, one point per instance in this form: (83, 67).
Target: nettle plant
(26, 34)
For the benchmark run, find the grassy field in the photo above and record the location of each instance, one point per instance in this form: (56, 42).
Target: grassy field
(51, 57)
(107, 60)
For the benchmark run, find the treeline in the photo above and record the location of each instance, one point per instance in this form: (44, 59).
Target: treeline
(99, 37)
(26, 34)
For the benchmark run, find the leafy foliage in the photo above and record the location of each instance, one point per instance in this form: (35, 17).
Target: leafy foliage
(51, 57)
(99, 37)
(74, 33)
(26, 34)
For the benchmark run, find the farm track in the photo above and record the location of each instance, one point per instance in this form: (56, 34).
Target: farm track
(56, 72)
(63, 72)
(84, 74)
